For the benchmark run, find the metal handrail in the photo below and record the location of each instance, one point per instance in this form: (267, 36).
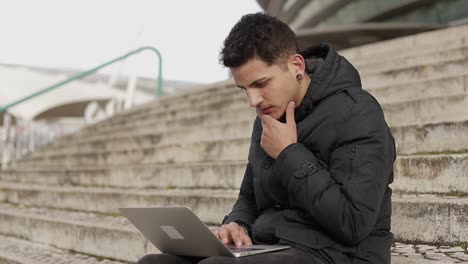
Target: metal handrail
(85, 73)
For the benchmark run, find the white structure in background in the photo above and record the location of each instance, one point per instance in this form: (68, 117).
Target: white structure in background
(57, 112)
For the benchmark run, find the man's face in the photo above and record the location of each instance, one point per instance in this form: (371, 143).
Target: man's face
(268, 88)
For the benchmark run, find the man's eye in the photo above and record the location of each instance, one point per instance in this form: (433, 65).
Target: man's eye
(242, 88)
(261, 85)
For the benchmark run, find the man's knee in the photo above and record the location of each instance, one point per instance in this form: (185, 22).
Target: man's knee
(147, 259)
(220, 260)
(161, 259)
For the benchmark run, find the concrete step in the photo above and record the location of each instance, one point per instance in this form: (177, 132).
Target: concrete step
(415, 111)
(416, 73)
(223, 150)
(225, 130)
(433, 138)
(187, 111)
(429, 217)
(450, 109)
(365, 64)
(87, 233)
(18, 251)
(410, 139)
(437, 88)
(443, 85)
(168, 100)
(425, 111)
(444, 173)
(440, 57)
(225, 95)
(453, 85)
(207, 117)
(210, 205)
(426, 218)
(417, 90)
(415, 44)
(380, 87)
(217, 100)
(210, 175)
(114, 237)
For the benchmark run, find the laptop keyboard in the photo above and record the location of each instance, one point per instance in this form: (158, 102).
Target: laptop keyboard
(235, 249)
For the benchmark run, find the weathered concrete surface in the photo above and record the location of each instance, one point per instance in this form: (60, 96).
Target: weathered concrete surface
(433, 87)
(219, 175)
(233, 149)
(431, 218)
(432, 174)
(417, 73)
(422, 254)
(411, 60)
(18, 251)
(427, 218)
(419, 44)
(110, 142)
(431, 110)
(210, 205)
(104, 236)
(443, 137)
(435, 137)
(422, 173)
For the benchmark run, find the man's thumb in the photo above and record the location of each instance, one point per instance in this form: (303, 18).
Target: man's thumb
(290, 113)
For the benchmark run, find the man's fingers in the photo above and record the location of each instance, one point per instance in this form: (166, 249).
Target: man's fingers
(266, 119)
(223, 235)
(290, 113)
(216, 233)
(236, 236)
(246, 240)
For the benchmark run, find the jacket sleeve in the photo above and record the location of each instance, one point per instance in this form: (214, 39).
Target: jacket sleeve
(343, 197)
(244, 211)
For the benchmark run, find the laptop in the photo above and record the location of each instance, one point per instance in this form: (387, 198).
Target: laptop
(178, 231)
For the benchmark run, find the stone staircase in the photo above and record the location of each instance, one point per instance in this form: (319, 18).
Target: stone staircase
(59, 205)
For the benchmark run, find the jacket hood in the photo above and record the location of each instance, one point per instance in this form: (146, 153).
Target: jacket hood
(329, 73)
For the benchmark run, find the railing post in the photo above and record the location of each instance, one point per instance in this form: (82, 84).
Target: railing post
(5, 138)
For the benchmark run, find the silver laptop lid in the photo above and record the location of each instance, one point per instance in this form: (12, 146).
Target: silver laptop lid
(176, 230)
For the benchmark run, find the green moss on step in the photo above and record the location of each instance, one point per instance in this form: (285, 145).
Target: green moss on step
(442, 152)
(465, 247)
(457, 194)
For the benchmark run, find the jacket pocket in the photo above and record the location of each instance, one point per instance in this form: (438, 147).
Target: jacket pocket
(303, 235)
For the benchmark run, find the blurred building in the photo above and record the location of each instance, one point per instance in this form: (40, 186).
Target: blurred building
(349, 23)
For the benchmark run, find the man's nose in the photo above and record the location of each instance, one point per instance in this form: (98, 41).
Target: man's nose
(254, 98)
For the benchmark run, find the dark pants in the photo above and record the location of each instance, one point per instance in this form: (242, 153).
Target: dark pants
(287, 256)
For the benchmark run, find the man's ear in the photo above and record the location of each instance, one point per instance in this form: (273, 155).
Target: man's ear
(298, 63)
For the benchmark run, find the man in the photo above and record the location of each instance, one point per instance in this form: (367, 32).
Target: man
(321, 155)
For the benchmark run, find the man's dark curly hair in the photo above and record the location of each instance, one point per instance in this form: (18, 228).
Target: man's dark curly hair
(258, 34)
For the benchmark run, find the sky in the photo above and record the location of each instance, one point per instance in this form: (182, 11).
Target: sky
(84, 34)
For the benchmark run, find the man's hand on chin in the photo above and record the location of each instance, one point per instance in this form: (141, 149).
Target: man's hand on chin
(276, 136)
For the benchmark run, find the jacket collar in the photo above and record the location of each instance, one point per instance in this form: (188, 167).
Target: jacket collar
(329, 73)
